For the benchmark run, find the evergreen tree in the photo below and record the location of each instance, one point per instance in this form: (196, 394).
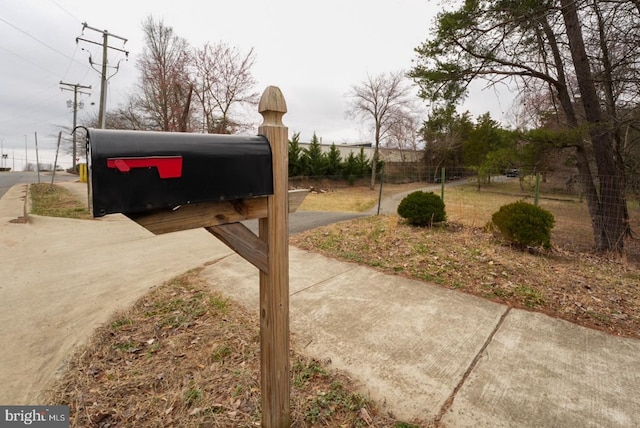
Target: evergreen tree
(485, 140)
(582, 53)
(314, 160)
(295, 156)
(334, 162)
(362, 164)
(349, 167)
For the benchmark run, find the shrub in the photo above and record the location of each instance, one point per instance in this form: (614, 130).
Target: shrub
(524, 224)
(422, 208)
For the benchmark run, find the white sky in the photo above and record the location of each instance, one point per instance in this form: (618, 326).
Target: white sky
(314, 51)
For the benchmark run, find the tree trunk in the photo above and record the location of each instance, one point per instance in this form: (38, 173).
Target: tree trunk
(374, 167)
(374, 162)
(582, 157)
(608, 222)
(184, 119)
(611, 110)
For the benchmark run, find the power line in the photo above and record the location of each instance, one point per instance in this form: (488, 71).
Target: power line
(47, 70)
(70, 63)
(20, 112)
(27, 112)
(40, 41)
(65, 11)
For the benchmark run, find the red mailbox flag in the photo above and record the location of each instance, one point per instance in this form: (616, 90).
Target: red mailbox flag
(168, 166)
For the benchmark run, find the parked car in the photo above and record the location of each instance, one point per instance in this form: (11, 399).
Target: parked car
(512, 172)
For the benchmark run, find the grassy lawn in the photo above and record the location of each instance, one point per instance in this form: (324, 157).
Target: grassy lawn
(470, 207)
(466, 205)
(351, 198)
(56, 201)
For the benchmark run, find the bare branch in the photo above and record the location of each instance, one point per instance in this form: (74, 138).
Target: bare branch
(382, 101)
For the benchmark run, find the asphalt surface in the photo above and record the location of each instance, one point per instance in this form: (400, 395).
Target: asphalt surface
(419, 350)
(306, 220)
(390, 204)
(10, 179)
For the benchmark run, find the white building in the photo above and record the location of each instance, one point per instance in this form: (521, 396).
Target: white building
(387, 155)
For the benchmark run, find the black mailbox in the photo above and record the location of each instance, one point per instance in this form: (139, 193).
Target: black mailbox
(136, 171)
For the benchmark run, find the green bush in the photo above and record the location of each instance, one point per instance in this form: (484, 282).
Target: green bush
(524, 224)
(422, 208)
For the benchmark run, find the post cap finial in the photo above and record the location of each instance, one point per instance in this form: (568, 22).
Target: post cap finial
(272, 106)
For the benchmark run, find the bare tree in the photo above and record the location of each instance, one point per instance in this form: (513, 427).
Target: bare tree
(223, 82)
(128, 116)
(404, 137)
(383, 101)
(164, 78)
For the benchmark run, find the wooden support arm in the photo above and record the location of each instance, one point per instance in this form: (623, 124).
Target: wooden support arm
(209, 214)
(244, 242)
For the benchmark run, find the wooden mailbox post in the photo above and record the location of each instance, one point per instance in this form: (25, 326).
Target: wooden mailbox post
(269, 251)
(274, 283)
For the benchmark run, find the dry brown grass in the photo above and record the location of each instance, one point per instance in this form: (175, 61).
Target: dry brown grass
(328, 197)
(470, 207)
(570, 282)
(184, 356)
(56, 201)
(357, 199)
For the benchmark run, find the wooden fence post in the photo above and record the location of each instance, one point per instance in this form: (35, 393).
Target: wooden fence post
(274, 285)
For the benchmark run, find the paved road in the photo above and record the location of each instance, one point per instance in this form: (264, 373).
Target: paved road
(10, 179)
(390, 205)
(306, 220)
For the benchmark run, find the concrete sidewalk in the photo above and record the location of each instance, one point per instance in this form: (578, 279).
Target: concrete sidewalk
(430, 352)
(420, 350)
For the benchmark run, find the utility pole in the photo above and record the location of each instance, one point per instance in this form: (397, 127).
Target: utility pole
(37, 157)
(103, 73)
(75, 90)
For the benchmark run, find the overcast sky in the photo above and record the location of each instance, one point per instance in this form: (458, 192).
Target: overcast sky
(314, 51)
